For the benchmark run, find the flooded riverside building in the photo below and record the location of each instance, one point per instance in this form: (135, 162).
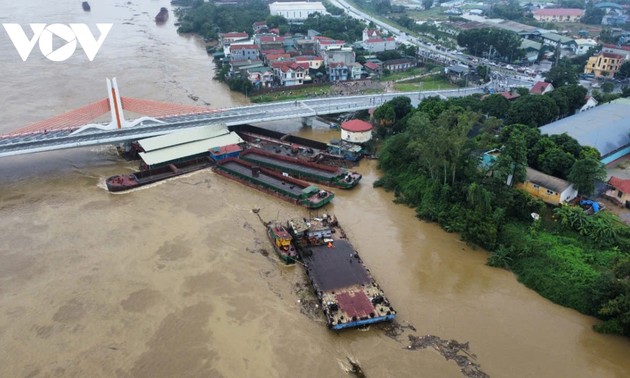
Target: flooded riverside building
(176, 279)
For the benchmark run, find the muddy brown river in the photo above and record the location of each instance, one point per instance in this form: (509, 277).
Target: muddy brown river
(175, 280)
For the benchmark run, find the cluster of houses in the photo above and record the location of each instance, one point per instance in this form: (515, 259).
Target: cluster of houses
(268, 59)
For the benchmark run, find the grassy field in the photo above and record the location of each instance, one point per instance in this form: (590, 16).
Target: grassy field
(425, 84)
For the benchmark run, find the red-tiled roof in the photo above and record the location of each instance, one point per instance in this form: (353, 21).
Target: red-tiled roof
(285, 66)
(509, 95)
(539, 87)
(260, 23)
(620, 184)
(611, 55)
(308, 57)
(611, 46)
(271, 38)
(277, 56)
(372, 66)
(272, 51)
(558, 12)
(356, 125)
(235, 35)
(243, 47)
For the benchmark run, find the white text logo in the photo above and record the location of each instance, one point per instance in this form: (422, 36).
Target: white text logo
(71, 34)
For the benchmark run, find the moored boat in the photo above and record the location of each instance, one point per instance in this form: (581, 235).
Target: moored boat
(323, 174)
(282, 242)
(162, 16)
(86, 6)
(347, 292)
(288, 188)
(133, 180)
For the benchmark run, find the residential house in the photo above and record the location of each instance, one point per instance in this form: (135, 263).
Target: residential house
(532, 49)
(229, 38)
(356, 71)
(591, 102)
(260, 27)
(399, 65)
(269, 42)
(288, 74)
(555, 40)
(541, 87)
(306, 46)
(456, 71)
(558, 14)
(239, 67)
(583, 45)
(314, 62)
(260, 77)
(619, 191)
(339, 55)
(244, 52)
(372, 69)
(550, 189)
(379, 44)
(604, 64)
(371, 34)
(269, 58)
(620, 50)
(324, 44)
(296, 11)
(510, 95)
(337, 71)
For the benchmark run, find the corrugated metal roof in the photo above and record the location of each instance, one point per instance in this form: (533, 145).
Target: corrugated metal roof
(189, 149)
(546, 181)
(181, 137)
(605, 127)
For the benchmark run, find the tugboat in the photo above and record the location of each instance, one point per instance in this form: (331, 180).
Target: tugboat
(162, 16)
(86, 6)
(282, 242)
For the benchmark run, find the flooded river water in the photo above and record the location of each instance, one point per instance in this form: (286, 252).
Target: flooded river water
(174, 280)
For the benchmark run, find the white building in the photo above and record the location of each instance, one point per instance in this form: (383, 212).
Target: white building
(356, 131)
(583, 45)
(296, 11)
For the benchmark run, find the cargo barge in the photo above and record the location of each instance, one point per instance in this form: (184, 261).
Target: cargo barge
(288, 188)
(348, 294)
(305, 170)
(133, 180)
(294, 146)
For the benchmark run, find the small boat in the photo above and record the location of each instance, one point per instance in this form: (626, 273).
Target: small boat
(86, 6)
(133, 180)
(162, 16)
(282, 242)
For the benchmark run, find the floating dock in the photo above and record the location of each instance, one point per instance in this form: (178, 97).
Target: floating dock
(268, 181)
(348, 294)
(319, 173)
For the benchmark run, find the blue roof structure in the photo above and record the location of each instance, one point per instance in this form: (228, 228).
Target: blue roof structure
(605, 127)
(608, 4)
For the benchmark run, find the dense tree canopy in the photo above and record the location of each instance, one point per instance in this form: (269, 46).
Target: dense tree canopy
(533, 110)
(488, 41)
(562, 73)
(208, 20)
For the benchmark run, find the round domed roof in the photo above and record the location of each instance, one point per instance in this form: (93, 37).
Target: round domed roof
(356, 125)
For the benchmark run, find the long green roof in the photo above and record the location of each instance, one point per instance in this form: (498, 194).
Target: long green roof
(188, 149)
(182, 137)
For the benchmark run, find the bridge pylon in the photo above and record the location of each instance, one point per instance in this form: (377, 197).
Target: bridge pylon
(118, 120)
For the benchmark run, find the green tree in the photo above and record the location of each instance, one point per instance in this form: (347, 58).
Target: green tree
(532, 110)
(592, 15)
(584, 173)
(556, 162)
(495, 105)
(427, 4)
(562, 73)
(616, 310)
(490, 41)
(608, 87)
(513, 159)
(624, 71)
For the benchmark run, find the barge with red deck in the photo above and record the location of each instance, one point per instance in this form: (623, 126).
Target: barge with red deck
(347, 292)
